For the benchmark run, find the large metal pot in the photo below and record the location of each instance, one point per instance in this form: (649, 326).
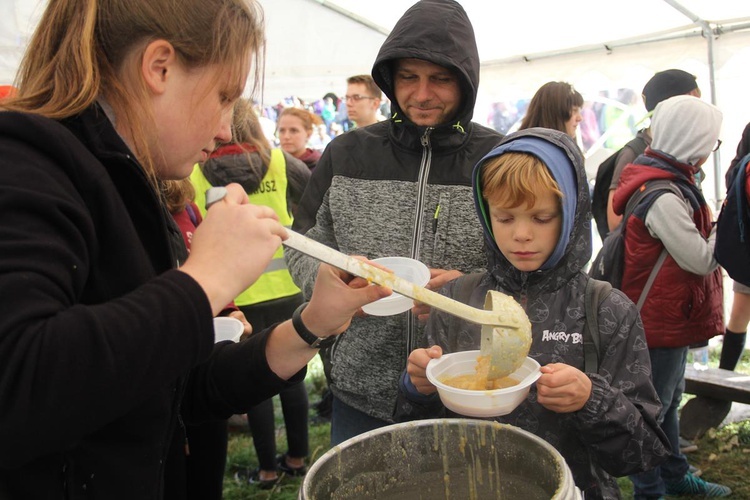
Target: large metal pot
(441, 458)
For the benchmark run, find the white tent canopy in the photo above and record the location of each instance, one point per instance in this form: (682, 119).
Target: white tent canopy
(596, 45)
(314, 45)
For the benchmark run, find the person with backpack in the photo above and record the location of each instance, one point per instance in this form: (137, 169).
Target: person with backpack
(685, 304)
(732, 252)
(533, 204)
(661, 86)
(735, 335)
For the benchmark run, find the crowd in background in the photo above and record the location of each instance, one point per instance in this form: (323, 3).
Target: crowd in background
(328, 127)
(111, 284)
(609, 119)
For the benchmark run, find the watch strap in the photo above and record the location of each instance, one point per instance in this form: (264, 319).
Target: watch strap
(312, 340)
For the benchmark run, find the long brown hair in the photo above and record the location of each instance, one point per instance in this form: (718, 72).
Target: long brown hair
(551, 106)
(86, 49)
(246, 129)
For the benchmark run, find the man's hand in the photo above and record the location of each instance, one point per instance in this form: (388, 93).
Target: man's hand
(438, 278)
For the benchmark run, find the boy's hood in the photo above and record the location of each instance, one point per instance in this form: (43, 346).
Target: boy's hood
(438, 31)
(685, 128)
(573, 251)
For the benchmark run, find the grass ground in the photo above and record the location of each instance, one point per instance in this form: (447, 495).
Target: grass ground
(723, 454)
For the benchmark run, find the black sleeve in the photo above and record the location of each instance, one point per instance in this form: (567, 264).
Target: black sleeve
(234, 379)
(743, 148)
(312, 198)
(298, 176)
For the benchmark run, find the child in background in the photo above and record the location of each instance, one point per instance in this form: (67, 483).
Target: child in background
(684, 306)
(533, 202)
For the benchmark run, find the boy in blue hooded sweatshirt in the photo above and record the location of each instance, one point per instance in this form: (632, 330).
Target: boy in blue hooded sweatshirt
(533, 202)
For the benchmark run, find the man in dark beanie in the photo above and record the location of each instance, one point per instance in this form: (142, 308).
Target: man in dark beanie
(661, 86)
(666, 84)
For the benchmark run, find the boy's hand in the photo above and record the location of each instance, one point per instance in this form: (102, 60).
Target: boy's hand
(438, 278)
(562, 388)
(416, 368)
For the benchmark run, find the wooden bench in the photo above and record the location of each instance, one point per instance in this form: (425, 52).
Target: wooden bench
(715, 390)
(718, 384)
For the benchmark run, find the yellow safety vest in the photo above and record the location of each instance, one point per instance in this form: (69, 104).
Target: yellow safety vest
(275, 282)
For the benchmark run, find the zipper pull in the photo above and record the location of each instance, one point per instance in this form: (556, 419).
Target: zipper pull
(184, 433)
(425, 139)
(522, 296)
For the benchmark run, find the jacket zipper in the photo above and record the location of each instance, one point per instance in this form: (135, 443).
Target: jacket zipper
(424, 175)
(184, 432)
(523, 296)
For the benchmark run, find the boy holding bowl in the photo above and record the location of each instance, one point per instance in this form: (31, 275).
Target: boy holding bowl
(533, 202)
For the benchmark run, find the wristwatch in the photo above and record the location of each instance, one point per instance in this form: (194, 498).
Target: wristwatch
(313, 340)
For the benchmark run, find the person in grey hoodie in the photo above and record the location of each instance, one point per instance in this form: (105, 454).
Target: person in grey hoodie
(400, 187)
(533, 203)
(685, 303)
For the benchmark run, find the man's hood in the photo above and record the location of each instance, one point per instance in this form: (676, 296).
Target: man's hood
(438, 31)
(565, 162)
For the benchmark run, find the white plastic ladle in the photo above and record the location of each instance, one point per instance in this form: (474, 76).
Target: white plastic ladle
(502, 361)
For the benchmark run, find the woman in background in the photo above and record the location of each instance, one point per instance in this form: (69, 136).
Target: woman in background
(556, 105)
(295, 128)
(273, 178)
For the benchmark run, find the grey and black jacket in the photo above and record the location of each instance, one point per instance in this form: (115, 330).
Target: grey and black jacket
(376, 190)
(616, 432)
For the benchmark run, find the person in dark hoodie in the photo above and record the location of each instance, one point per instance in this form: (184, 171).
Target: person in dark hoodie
(739, 317)
(533, 203)
(400, 187)
(276, 179)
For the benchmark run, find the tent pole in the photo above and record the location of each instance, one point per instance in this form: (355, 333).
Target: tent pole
(708, 34)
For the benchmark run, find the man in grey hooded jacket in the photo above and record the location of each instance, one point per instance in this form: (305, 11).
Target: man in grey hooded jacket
(401, 187)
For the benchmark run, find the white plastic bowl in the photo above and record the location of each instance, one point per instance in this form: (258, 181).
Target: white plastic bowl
(479, 403)
(403, 267)
(226, 328)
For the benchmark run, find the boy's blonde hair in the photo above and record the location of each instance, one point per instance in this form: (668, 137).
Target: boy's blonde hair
(511, 179)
